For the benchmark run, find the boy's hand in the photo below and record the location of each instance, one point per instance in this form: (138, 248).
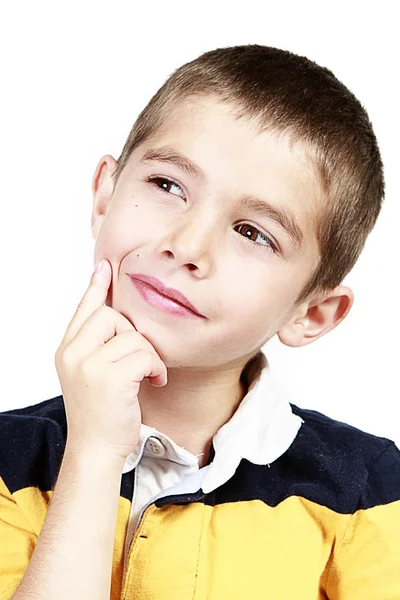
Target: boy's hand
(100, 363)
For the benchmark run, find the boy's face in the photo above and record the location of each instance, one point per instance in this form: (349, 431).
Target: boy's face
(197, 237)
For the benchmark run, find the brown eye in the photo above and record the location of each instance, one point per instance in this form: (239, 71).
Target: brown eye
(165, 186)
(252, 237)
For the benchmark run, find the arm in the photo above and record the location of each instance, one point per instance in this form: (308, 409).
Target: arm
(100, 362)
(73, 554)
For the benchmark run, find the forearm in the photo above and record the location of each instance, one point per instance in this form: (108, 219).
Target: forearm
(73, 554)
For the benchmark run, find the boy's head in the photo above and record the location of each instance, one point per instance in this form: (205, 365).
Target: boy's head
(259, 123)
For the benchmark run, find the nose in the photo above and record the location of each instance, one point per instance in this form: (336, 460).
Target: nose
(194, 238)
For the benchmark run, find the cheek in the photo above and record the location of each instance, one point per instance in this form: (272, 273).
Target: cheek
(255, 310)
(122, 232)
(250, 315)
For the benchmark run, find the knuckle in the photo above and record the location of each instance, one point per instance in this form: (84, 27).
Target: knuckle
(65, 357)
(82, 304)
(147, 359)
(87, 368)
(105, 311)
(132, 336)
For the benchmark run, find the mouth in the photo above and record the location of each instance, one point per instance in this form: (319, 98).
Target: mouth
(158, 294)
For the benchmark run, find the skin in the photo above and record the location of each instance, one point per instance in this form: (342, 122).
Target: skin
(190, 239)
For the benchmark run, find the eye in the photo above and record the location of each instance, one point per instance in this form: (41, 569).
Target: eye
(269, 244)
(166, 184)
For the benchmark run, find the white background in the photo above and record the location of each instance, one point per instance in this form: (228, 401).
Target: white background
(74, 77)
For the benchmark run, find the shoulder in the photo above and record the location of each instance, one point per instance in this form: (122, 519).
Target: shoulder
(338, 437)
(32, 443)
(350, 468)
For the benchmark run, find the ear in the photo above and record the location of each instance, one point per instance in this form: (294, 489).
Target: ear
(316, 317)
(102, 189)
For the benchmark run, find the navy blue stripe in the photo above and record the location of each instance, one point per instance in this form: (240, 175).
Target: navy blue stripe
(331, 463)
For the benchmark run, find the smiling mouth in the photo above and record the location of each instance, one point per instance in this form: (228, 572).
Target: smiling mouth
(165, 303)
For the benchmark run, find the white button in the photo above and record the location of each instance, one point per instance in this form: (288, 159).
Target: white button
(155, 447)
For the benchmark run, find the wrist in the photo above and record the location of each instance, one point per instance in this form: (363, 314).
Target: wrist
(92, 453)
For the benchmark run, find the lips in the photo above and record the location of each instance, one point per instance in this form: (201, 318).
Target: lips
(171, 293)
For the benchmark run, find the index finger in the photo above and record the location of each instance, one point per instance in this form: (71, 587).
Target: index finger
(93, 298)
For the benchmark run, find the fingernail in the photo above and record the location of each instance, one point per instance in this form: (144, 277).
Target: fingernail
(99, 266)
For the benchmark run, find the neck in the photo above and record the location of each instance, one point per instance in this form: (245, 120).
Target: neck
(193, 406)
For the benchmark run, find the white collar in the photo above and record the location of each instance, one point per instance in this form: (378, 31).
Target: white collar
(261, 430)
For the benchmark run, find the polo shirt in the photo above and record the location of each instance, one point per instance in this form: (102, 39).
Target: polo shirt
(161, 465)
(292, 505)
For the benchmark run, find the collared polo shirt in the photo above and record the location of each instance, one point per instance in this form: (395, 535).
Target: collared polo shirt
(292, 505)
(261, 429)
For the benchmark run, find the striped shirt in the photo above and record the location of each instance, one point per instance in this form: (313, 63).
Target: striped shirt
(292, 505)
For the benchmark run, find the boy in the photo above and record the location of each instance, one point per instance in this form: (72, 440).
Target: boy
(170, 467)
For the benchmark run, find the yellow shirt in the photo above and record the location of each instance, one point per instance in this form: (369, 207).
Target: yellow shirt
(294, 505)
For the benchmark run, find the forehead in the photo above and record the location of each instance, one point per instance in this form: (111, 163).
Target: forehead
(237, 159)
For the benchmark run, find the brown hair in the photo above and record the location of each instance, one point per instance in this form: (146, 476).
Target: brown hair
(291, 94)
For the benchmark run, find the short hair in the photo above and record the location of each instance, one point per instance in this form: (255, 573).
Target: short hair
(291, 94)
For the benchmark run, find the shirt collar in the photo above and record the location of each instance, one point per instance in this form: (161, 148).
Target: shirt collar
(176, 453)
(261, 430)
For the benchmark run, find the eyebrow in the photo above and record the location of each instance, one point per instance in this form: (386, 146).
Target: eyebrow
(287, 221)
